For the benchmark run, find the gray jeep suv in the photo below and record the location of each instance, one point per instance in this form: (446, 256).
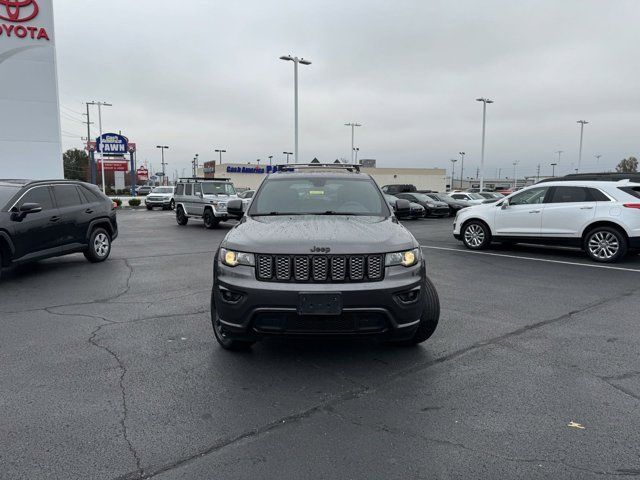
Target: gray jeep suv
(320, 252)
(203, 198)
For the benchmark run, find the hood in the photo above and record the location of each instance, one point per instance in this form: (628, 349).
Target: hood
(415, 205)
(299, 234)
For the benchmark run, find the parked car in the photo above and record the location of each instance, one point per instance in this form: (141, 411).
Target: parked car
(161, 197)
(454, 205)
(433, 208)
(246, 194)
(415, 210)
(398, 188)
(472, 198)
(320, 253)
(602, 218)
(203, 198)
(43, 219)
(144, 190)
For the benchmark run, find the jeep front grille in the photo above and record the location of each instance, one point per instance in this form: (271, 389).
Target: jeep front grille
(320, 268)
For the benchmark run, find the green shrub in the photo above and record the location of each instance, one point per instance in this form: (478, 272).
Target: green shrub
(118, 202)
(134, 202)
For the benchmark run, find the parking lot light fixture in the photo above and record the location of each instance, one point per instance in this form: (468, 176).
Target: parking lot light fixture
(515, 176)
(221, 152)
(484, 101)
(295, 61)
(462, 154)
(453, 172)
(287, 154)
(353, 126)
(582, 124)
(553, 167)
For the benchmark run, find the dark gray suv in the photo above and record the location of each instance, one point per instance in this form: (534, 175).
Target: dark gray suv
(319, 252)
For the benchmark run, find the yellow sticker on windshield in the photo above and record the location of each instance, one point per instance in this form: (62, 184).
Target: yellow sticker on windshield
(316, 192)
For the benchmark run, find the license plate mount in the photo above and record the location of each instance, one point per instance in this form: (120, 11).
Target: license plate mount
(320, 304)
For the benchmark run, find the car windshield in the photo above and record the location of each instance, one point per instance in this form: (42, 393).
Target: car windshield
(476, 196)
(421, 197)
(162, 190)
(435, 197)
(218, 188)
(319, 196)
(6, 192)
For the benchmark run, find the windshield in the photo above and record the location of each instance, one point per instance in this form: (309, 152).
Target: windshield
(476, 196)
(435, 197)
(218, 188)
(6, 193)
(421, 197)
(162, 190)
(319, 196)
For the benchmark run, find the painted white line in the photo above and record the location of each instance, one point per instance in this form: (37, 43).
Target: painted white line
(458, 250)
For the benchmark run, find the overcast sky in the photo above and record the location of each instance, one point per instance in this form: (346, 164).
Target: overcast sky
(203, 74)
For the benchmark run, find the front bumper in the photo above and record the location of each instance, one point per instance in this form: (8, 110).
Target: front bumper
(270, 308)
(157, 203)
(438, 212)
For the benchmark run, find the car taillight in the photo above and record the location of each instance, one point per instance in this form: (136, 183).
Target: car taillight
(632, 205)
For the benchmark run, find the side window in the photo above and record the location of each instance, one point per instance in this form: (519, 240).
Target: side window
(197, 189)
(66, 196)
(180, 189)
(89, 195)
(188, 189)
(532, 196)
(457, 197)
(571, 195)
(40, 195)
(597, 195)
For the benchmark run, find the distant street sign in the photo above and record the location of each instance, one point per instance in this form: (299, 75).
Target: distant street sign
(159, 174)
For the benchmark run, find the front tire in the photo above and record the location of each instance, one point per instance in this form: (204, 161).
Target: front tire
(99, 246)
(181, 218)
(476, 235)
(429, 317)
(172, 205)
(222, 337)
(210, 221)
(606, 244)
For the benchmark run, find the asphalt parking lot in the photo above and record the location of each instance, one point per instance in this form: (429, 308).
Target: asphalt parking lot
(111, 371)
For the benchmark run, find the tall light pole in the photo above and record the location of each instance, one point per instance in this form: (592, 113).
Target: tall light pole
(270, 158)
(194, 165)
(515, 176)
(100, 105)
(162, 149)
(453, 172)
(221, 152)
(484, 124)
(462, 154)
(582, 124)
(353, 126)
(553, 171)
(559, 152)
(287, 154)
(295, 61)
(356, 149)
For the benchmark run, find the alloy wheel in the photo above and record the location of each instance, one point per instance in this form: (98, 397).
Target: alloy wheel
(101, 245)
(603, 245)
(474, 235)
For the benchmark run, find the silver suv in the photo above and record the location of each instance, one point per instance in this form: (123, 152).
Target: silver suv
(203, 198)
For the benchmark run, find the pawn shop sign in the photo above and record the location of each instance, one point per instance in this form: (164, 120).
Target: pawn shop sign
(112, 143)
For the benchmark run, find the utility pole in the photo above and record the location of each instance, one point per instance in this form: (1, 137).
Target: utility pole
(453, 172)
(499, 173)
(295, 61)
(163, 163)
(353, 126)
(582, 124)
(477, 175)
(100, 105)
(462, 154)
(92, 158)
(287, 154)
(484, 123)
(538, 175)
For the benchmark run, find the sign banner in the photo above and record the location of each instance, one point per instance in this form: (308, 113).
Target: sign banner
(118, 176)
(143, 174)
(112, 143)
(114, 165)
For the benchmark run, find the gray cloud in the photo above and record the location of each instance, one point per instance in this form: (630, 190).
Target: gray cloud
(197, 75)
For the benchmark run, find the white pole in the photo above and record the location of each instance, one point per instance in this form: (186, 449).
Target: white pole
(581, 122)
(104, 188)
(484, 122)
(515, 177)
(295, 81)
(353, 129)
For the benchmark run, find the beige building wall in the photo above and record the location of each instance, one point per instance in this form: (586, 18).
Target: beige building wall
(423, 178)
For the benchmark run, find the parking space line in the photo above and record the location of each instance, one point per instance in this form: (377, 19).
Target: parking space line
(519, 257)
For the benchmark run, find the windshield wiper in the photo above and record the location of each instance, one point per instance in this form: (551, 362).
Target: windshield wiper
(333, 212)
(275, 214)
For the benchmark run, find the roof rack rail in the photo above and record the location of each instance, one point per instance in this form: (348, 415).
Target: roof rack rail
(200, 179)
(292, 167)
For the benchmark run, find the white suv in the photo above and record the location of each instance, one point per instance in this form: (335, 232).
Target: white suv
(602, 218)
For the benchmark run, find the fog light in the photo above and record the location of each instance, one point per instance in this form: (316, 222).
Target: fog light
(408, 297)
(230, 297)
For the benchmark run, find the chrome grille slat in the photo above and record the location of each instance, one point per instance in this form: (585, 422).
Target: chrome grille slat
(320, 268)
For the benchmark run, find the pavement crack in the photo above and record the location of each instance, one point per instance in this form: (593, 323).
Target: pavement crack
(123, 394)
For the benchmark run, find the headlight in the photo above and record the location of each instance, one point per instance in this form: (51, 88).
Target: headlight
(431, 205)
(233, 259)
(408, 258)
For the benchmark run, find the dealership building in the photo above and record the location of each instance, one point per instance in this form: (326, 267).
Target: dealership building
(249, 175)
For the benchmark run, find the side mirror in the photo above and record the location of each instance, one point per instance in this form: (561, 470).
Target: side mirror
(402, 206)
(234, 208)
(28, 208)
(505, 204)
